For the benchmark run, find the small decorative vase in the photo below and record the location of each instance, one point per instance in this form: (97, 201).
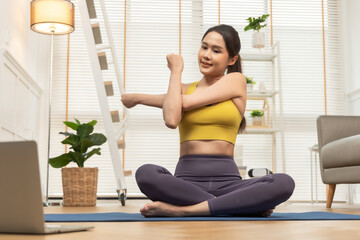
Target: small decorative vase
(262, 87)
(249, 87)
(79, 186)
(258, 121)
(258, 39)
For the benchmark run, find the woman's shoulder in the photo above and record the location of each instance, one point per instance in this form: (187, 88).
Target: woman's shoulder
(234, 77)
(237, 75)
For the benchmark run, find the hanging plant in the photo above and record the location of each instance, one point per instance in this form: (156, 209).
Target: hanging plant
(258, 38)
(255, 23)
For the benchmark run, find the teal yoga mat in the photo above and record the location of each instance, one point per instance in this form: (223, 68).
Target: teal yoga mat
(137, 217)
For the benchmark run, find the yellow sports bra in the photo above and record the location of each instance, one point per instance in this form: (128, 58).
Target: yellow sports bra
(216, 122)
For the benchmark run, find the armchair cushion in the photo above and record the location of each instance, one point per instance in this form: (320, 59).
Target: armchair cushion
(341, 153)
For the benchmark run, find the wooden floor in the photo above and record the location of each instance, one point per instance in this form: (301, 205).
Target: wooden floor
(277, 230)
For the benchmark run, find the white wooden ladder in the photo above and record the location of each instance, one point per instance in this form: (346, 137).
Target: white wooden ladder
(99, 54)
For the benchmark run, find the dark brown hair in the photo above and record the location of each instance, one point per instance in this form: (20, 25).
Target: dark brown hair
(233, 46)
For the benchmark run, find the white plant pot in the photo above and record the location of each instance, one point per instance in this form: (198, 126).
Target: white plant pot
(258, 121)
(249, 87)
(258, 39)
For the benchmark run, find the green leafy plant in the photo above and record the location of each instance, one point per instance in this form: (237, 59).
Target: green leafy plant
(249, 80)
(256, 113)
(255, 23)
(80, 144)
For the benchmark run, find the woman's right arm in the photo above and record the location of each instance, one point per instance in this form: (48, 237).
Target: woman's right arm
(230, 86)
(132, 99)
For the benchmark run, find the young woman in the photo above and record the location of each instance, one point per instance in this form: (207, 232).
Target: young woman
(209, 114)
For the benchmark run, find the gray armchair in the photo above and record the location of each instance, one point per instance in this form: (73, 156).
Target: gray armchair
(339, 149)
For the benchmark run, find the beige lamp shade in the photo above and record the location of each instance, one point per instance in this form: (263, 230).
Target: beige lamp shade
(52, 16)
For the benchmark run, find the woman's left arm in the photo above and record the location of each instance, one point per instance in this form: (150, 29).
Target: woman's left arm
(172, 103)
(232, 85)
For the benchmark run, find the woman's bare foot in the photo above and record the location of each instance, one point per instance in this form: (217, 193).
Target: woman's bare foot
(161, 209)
(267, 213)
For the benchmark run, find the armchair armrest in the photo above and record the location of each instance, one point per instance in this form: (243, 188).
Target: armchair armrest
(331, 128)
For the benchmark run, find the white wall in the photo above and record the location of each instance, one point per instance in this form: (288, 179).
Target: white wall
(31, 50)
(28, 47)
(351, 9)
(351, 33)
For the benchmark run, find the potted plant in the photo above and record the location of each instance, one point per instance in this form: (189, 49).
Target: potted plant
(258, 38)
(79, 183)
(249, 83)
(257, 118)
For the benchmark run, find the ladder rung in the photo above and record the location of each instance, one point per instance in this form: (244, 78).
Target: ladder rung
(109, 88)
(121, 144)
(96, 33)
(115, 116)
(127, 173)
(96, 20)
(104, 47)
(91, 8)
(103, 60)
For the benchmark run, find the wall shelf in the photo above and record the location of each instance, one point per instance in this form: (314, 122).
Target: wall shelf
(259, 57)
(259, 130)
(259, 94)
(274, 117)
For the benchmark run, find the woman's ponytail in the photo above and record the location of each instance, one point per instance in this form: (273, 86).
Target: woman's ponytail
(242, 125)
(236, 67)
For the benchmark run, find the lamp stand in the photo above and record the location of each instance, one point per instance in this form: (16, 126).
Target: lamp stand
(51, 17)
(47, 203)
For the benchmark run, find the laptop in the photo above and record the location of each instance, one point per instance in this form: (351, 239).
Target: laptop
(21, 206)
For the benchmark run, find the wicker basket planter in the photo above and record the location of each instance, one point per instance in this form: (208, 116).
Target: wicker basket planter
(79, 186)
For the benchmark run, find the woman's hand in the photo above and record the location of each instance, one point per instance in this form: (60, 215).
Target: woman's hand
(175, 62)
(129, 100)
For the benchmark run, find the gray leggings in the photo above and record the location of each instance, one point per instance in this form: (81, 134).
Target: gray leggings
(201, 178)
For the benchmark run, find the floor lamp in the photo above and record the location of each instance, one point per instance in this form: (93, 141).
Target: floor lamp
(51, 17)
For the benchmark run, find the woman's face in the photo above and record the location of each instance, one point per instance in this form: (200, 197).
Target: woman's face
(213, 57)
